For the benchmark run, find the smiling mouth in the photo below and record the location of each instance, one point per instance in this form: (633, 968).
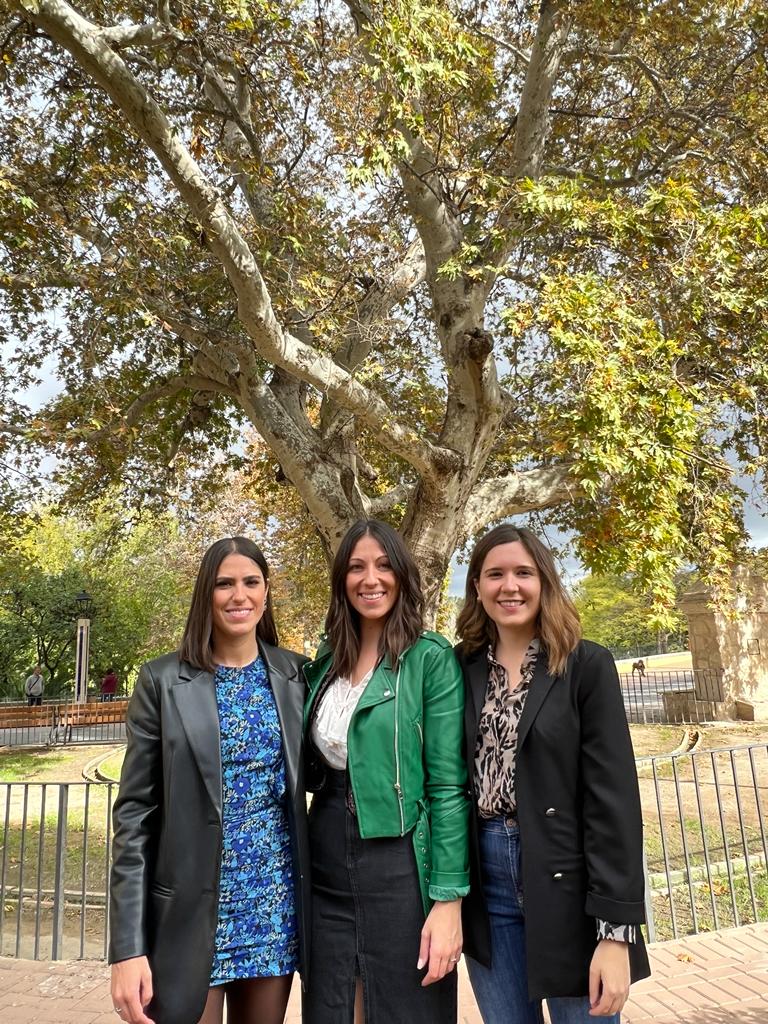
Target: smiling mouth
(239, 613)
(372, 597)
(511, 604)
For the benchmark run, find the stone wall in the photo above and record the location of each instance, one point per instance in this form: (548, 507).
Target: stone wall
(732, 641)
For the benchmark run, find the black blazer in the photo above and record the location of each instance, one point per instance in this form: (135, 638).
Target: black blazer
(166, 851)
(578, 808)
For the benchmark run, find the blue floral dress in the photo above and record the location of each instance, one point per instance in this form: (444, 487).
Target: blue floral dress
(256, 935)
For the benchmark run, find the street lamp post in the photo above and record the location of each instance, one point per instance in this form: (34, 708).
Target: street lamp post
(82, 646)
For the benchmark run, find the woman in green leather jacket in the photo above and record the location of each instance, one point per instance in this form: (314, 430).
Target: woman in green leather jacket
(388, 822)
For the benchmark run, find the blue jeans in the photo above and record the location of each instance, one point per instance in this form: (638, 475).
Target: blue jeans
(502, 990)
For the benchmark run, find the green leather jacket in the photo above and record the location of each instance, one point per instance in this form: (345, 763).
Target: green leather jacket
(405, 761)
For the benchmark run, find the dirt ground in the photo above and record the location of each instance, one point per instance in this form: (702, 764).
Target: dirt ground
(656, 740)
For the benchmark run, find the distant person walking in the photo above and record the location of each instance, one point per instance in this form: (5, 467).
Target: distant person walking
(109, 685)
(33, 687)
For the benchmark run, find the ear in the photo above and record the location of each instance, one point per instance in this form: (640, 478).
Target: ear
(477, 589)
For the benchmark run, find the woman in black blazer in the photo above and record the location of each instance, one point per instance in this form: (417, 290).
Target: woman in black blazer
(556, 896)
(208, 884)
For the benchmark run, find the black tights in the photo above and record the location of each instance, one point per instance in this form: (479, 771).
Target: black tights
(252, 1001)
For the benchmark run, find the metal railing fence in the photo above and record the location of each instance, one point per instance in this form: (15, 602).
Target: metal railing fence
(60, 723)
(705, 848)
(54, 869)
(686, 695)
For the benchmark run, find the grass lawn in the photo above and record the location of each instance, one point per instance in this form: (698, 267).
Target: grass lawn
(43, 765)
(110, 767)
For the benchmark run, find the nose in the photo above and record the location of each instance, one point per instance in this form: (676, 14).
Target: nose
(238, 593)
(369, 576)
(510, 583)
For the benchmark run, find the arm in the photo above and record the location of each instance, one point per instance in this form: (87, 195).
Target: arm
(446, 787)
(136, 817)
(613, 839)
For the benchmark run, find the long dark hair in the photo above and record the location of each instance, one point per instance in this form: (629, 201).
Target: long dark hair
(558, 625)
(406, 620)
(197, 642)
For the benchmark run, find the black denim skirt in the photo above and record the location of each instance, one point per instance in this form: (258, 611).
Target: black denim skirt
(367, 918)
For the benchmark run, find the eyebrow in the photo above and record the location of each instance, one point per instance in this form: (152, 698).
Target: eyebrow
(230, 579)
(499, 568)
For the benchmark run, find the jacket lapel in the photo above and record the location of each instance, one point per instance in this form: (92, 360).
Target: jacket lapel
(540, 686)
(379, 688)
(195, 697)
(289, 697)
(476, 674)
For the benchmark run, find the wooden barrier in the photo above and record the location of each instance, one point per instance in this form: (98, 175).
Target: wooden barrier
(77, 715)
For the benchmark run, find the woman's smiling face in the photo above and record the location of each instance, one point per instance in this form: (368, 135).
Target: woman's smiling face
(372, 587)
(239, 598)
(509, 587)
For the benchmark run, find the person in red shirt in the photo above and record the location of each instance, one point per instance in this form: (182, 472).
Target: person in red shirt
(109, 685)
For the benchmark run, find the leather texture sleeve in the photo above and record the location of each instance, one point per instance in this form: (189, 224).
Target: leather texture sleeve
(613, 831)
(446, 775)
(136, 819)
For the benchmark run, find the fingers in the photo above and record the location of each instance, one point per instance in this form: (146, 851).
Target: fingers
(132, 990)
(594, 985)
(133, 1012)
(440, 964)
(423, 948)
(608, 999)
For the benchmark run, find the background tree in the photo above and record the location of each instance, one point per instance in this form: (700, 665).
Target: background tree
(453, 261)
(136, 577)
(615, 615)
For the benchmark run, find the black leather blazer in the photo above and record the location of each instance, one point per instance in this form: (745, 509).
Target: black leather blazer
(166, 851)
(579, 816)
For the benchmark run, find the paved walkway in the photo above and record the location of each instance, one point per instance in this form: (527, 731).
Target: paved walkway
(718, 978)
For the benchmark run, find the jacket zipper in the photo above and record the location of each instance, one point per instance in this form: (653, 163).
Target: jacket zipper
(398, 787)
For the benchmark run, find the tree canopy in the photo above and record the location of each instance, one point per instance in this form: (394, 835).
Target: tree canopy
(453, 261)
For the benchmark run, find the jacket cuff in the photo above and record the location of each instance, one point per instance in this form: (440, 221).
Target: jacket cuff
(616, 911)
(443, 894)
(616, 932)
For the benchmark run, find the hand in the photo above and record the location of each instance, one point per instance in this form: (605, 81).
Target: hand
(132, 989)
(609, 978)
(441, 940)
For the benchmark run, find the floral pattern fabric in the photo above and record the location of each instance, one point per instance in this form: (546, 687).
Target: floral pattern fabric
(256, 934)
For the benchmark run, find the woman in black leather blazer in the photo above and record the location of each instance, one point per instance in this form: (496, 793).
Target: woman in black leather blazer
(172, 809)
(556, 884)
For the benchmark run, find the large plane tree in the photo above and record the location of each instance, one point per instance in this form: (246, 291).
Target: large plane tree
(453, 261)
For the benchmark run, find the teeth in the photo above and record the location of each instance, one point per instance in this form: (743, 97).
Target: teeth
(372, 597)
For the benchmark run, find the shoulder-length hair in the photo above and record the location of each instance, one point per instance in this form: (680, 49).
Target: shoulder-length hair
(405, 621)
(558, 625)
(197, 642)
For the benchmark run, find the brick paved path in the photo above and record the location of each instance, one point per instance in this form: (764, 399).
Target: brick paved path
(719, 978)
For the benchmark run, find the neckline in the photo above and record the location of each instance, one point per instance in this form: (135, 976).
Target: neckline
(238, 668)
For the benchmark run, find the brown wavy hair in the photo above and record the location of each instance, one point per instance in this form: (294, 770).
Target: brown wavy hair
(197, 641)
(558, 625)
(406, 620)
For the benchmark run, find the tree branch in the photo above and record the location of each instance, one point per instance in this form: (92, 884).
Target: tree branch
(168, 388)
(11, 428)
(384, 503)
(538, 88)
(521, 492)
(94, 54)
